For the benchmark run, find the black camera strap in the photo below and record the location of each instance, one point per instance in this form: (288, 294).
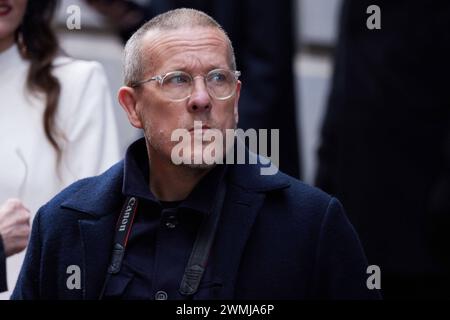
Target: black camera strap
(123, 230)
(200, 253)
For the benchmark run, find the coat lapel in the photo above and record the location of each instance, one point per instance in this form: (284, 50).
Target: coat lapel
(246, 191)
(97, 238)
(98, 204)
(237, 219)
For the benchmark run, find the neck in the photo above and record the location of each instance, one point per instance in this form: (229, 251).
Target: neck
(6, 43)
(170, 182)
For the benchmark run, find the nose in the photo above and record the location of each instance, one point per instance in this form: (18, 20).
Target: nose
(200, 99)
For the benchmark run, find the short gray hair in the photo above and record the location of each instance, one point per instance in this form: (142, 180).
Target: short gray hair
(170, 20)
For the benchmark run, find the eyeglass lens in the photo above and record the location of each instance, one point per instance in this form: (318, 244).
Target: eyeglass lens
(179, 85)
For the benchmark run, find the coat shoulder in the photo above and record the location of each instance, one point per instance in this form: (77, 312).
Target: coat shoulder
(300, 187)
(87, 195)
(301, 196)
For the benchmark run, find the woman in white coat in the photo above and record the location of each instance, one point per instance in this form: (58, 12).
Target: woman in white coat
(56, 123)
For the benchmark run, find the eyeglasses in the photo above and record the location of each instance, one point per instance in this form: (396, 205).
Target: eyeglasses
(179, 85)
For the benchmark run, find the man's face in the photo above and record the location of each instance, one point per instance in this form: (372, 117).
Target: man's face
(195, 51)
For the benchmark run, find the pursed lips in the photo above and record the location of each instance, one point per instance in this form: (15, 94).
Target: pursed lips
(204, 127)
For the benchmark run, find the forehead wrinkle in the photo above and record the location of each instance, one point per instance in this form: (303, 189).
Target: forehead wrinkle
(159, 45)
(191, 62)
(169, 48)
(176, 40)
(185, 35)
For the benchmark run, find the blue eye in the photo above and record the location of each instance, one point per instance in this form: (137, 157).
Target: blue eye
(217, 77)
(177, 79)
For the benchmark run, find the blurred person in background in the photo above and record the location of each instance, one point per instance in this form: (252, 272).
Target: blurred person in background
(385, 148)
(56, 123)
(262, 34)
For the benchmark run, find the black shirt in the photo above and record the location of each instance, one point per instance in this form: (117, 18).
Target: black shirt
(162, 235)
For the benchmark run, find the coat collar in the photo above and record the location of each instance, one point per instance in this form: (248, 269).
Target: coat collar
(102, 195)
(249, 177)
(136, 180)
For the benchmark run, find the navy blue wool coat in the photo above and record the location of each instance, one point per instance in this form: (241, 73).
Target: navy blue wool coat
(277, 239)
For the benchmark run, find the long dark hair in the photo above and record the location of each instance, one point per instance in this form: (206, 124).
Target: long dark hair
(38, 44)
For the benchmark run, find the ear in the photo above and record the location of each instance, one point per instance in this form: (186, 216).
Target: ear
(128, 100)
(236, 102)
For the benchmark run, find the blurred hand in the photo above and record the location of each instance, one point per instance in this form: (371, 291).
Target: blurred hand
(14, 226)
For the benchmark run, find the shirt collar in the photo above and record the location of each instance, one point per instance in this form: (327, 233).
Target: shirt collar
(136, 180)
